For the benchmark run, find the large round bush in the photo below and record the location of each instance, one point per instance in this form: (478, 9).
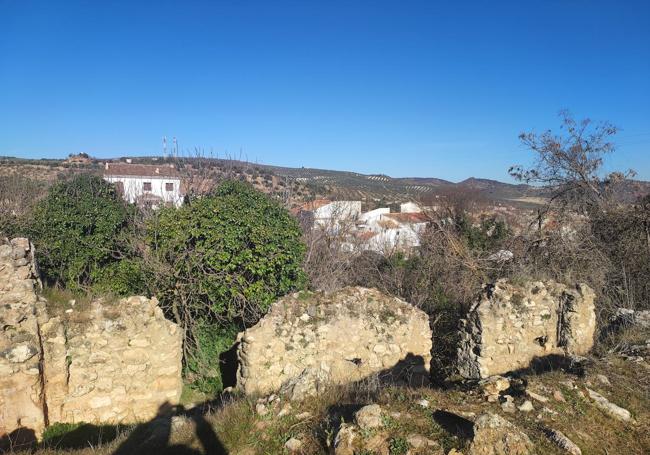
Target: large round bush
(227, 255)
(77, 230)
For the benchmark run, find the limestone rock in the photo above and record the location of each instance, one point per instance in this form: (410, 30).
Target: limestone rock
(559, 439)
(310, 340)
(420, 442)
(345, 440)
(526, 406)
(369, 417)
(608, 407)
(493, 386)
(293, 445)
(494, 435)
(510, 326)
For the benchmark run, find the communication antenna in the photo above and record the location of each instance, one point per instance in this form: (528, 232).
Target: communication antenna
(164, 139)
(175, 148)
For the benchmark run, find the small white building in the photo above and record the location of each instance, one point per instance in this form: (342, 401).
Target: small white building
(331, 215)
(144, 184)
(410, 207)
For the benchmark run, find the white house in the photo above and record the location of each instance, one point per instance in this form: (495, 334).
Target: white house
(152, 185)
(410, 207)
(369, 219)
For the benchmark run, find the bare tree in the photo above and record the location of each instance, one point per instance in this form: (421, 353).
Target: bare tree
(570, 164)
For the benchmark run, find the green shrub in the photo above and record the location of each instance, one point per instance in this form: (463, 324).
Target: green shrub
(203, 367)
(77, 230)
(230, 254)
(126, 277)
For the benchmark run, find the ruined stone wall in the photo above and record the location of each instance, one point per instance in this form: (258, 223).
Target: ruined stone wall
(509, 326)
(107, 362)
(115, 362)
(21, 391)
(308, 340)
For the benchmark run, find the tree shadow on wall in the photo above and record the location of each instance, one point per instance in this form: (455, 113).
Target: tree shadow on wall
(149, 438)
(19, 439)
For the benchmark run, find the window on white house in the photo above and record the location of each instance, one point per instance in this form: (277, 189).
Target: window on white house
(169, 186)
(147, 186)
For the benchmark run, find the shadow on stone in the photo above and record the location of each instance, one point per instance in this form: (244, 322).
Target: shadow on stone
(154, 437)
(21, 438)
(554, 362)
(228, 366)
(454, 424)
(149, 438)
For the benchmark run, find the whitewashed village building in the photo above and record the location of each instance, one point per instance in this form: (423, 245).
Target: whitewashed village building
(377, 230)
(144, 184)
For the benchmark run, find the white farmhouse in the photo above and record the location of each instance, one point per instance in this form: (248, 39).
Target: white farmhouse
(152, 185)
(330, 215)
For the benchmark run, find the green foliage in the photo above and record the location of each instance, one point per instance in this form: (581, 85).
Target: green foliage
(398, 446)
(203, 368)
(126, 277)
(485, 237)
(229, 254)
(77, 230)
(56, 431)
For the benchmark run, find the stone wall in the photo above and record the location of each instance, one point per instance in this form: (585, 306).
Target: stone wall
(112, 363)
(21, 391)
(309, 340)
(509, 326)
(105, 362)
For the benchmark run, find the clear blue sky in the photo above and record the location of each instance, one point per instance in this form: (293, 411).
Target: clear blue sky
(406, 88)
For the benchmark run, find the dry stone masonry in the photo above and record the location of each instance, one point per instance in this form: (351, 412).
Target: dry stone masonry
(21, 390)
(114, 362)
(510, 326)
(309, 340)
(110, 362)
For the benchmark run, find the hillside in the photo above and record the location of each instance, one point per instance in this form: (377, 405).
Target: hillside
(300, 184)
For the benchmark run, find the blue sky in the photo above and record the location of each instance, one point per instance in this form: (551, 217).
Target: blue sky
(405, 88)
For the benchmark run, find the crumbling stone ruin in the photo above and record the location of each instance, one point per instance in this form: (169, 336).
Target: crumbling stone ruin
(309, 340)
(509, 326)
(21, 388)
(114, 362)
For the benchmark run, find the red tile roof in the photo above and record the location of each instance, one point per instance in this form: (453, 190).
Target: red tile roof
(141, 170)
(315, 204)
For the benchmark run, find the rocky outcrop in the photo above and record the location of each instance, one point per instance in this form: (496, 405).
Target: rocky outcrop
(309, 340)
(111, 362)
(509, 326)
